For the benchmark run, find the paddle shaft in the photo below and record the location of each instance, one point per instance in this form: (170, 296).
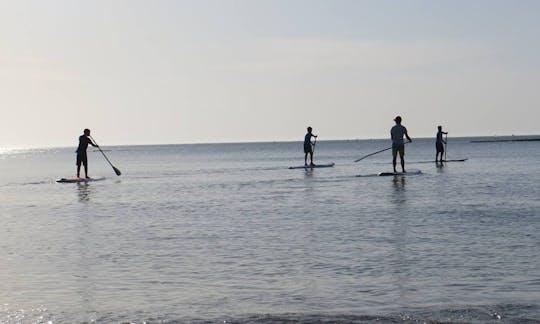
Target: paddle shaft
(365, 156)
(446, 145)
(386, 149)
(106, 158)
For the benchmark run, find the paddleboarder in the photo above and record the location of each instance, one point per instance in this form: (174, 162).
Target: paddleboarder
(398, 145)
(82, 158)
(439, 144)
(308, 146)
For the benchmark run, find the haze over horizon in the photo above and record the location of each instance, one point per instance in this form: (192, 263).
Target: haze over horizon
(159, 72)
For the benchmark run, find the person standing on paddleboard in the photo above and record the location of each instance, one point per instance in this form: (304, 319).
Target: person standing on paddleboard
(308, 146)
(439, 144)
(398, 145)
(82, 158)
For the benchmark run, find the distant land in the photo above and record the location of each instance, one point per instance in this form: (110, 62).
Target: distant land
(497, 139)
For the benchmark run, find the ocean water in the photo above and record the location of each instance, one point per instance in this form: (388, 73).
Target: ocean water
(226, 233)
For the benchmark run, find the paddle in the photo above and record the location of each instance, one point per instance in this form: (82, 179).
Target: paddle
(445, 145)
(118, 173)
(365, 156)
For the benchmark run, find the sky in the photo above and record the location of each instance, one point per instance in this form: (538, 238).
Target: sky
(166, 72)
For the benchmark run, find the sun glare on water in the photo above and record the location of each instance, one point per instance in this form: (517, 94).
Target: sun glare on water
(10, 150)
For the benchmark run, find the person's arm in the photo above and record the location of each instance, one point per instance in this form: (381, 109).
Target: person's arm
(408, 138)
(91, 142)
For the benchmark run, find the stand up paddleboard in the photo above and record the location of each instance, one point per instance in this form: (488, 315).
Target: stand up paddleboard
(410, 172)
(79, 180)
(329, 165)
(388, 174)
(444, 161)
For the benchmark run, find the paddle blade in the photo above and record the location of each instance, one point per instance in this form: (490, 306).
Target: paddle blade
(118, 173)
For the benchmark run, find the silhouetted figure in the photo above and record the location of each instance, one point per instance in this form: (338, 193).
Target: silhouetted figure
(308, 146)
(439, 144)
(398, 146)
(82, 158)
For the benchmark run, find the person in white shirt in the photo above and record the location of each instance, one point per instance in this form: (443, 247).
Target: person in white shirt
(398, 145)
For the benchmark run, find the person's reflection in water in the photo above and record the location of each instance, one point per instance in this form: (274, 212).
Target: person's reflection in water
(401, 252)
(308, 173)
(83, 191)
(400, 255)
(398, 195)
(308, 184)
(440, 167)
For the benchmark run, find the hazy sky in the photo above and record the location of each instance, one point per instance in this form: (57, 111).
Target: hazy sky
(144, 72)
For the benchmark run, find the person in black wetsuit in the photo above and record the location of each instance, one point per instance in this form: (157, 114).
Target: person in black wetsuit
(439, 143)
(82, 158)
(308, 146)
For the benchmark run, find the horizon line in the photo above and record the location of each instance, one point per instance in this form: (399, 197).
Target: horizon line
(6, 148)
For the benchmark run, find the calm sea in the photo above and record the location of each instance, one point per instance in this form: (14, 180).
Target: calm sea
(226, 233)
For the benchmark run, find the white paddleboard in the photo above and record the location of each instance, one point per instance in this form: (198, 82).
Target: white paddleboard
(315, 166)
(79, 180)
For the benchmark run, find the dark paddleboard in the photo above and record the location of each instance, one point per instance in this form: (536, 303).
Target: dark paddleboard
(329, 165)
(392, 174)
(79, 180)
(444, 161)
(410, 172)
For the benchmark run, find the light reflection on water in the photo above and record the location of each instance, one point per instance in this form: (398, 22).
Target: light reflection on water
(215, 231)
